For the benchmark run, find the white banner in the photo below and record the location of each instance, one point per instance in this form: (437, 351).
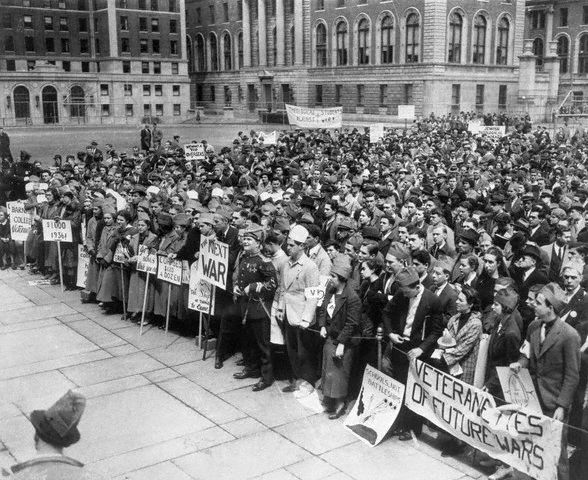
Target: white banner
(59, 231)
(194, 151)
(20, 221)
(376, 408)
(376, 132)
(200, 296)
(169, 270)
(146, 262)
(83, 265)
(315, 117)
(525, 440)
(268, 138)
(406, 112)
(214, 262)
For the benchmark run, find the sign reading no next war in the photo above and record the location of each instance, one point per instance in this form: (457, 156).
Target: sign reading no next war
(214, 262)
(528, 441)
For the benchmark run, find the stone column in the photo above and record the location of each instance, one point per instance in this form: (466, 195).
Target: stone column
(246, 34)
(298, 34)
(183, 33)
(551, 62)
(548, 25)
(280, 38)
(527, 69)
(262, 35)
(112, 29)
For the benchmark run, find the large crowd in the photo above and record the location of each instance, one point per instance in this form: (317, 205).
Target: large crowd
(433, 234)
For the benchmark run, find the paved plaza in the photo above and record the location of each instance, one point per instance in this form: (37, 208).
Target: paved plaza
(155, 410)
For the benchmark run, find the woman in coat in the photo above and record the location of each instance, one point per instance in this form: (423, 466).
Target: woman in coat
(144, 238)
(339, 320)
(50, 211)
(104, 255)
(70, 210)
(458, 350)
(93, 232)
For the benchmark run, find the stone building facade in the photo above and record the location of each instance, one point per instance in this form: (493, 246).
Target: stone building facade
(93, 61)
(367, 55)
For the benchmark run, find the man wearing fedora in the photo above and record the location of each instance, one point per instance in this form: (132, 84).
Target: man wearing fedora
(55, 429)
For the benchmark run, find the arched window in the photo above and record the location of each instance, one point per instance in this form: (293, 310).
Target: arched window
(538, 51)
(22, 103)
(502, 42)
(412, 38)
(76, 102)
(583, 55)
(455, 35)
(200, 54)
(479, 54)
(387, 39)
(49, 101)
(240, 49)
(363, 43)
(227, 52)
(341, 43)
(563, 52)
(213, 52)
(321, 45)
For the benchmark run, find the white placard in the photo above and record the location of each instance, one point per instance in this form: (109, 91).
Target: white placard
(194, 151)
(376, 132)
(406, 112)
(83, 265)
(200, 296)
(518, 388)
(268, 138)
(57, 231)
(214, 262)
(121, 254)
(169, 270)
(20, 221)
(146, 262)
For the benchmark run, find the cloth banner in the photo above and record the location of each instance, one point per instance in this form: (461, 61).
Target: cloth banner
(518, 388)
(83, 264)
(376, 408)
(315, 117)
(214, 262)
(169, 270)
(200, 296)
(523, 439)
(146, 262)
(57, 231)
(194, 151)
(20, 221)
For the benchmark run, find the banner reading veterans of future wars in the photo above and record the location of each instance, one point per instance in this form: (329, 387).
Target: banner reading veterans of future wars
(315, 117)
(528, 441)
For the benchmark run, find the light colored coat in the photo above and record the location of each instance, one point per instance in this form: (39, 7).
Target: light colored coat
(295, 279)
(322, 260)
(465, 353)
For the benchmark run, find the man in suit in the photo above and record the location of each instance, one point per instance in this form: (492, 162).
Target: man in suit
(557, 251)
(412, 324)
(440, 248)
(145, 135)
(446, 293)
(5, 154)
(538, 229)
(316, 252)
(551, 352)
(330, 225)
(93, 154)
(297, 312)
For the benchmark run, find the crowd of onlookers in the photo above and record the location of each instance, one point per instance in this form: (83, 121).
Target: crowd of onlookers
(435, 234)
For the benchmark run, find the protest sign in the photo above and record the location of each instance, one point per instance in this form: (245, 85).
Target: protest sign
(121, 202)
(185, 272)
(20, 221)
(146, 262)
(406, 112)
(315, 117)
(495, 132)
(376, 132)
(214, 262)
(376, 408)
(200, 296)
(194, 151)
(268, 138)
(41, 198)
(57, 231)
(83, 265)
(169, 270)
(528, 441)
(475, 125)
(121, 254)
(518, 388)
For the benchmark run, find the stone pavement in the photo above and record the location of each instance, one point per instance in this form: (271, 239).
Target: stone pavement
(155, 410)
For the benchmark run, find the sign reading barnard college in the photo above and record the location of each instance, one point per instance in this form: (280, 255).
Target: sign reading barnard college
(528, 441)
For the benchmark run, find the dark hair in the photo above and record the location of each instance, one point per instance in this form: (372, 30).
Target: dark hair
(421, 256)
(472, 297)
(272, 238)
(374, 265)
(417, 231)
(473, 262)
(313, 230)
(125, 214)
(372, 248)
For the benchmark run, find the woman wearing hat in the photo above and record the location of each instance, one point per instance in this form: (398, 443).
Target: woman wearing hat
(104, 256)
(93, 233)
(70, 210)
(339, 320)
(49, 211)
(143, 238)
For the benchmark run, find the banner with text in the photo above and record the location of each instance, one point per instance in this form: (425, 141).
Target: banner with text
(377, 407)
(214, 262)
(194, 151)
(169, 270)
(200, 296)
(20, 221)
(268, 138)
(146, 262)
(57, 231)
(495, 132)
(83, 265)
(525, 440)
(315, 117)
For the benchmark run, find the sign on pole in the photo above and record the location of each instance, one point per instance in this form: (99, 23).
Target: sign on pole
(169, 270)
(83, 265)
(376, 408)
(120, 254)
(518, 388)
(406, 112)
(194, 151)
(214, 262)
(268, 138)
(200, 296)
(376, 132)
(315, 117)
(528, 441)
(57, 231)
(146, 262)
(20, 220)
